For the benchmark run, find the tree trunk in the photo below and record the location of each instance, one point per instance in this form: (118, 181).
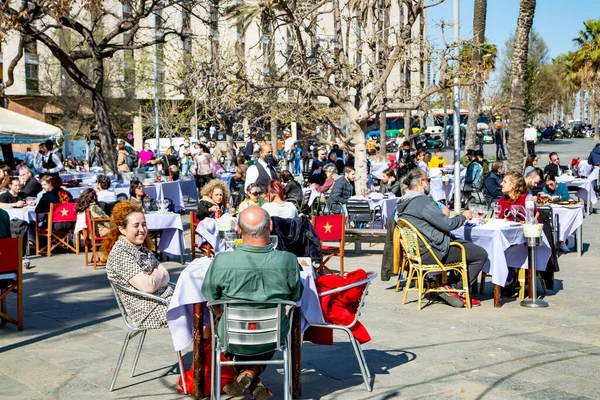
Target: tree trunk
(383, 135)
(230, 139)
(358, 132)
(105, 132)
(519, 84)
(274, 129)
(479, 16)
(581, 105)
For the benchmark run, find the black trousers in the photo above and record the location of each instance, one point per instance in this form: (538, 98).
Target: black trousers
(476, 258)
(531, 147)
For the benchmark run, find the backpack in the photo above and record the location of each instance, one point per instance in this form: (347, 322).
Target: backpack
(130, 160)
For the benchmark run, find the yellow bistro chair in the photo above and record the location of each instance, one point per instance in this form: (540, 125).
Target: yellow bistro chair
(417, 272)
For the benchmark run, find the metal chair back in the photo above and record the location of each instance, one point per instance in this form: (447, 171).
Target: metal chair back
(246, 325)
(119, 290)
(359, 210)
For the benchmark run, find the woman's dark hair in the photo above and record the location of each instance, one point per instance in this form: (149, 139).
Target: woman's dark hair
(276, 189)
(85, 200)
(7, 175)
(389, 173)
(132, 186)
(286, 176)
(530, 160)
(56, 183)
(103, 181)
(204, 148)
(549, 177)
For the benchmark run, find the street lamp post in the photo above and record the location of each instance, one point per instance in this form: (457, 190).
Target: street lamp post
(456, 99)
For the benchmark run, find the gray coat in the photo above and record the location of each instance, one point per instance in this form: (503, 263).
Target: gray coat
(425, 215)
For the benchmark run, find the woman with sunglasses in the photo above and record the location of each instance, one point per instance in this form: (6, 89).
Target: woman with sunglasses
(253, 198)
(136, 193)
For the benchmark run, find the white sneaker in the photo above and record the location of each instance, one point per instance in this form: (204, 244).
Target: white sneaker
(563, 247)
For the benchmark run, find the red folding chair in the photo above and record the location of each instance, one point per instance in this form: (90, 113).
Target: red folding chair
(11, 278)
(61, 212)
(203, 249)
(331, 228)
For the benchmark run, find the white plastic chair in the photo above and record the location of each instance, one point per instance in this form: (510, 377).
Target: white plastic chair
(134, 330)
(246, 325)
(360, 357)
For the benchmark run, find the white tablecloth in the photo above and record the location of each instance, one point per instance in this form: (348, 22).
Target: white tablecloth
(505, 246)
(180, 314)
(586, 185)
(378, 168)
(171, 238)
(172, 191)
(569, 220)
(314, 194)
(438, 189)
(226, 177)
(388, 206)
(188, 188)
(584, 168)
(26, 214)
(207, 229)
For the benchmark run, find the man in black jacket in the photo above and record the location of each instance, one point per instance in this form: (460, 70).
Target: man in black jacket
(341, 191)
(554, 166)
(492, 185)
(30, 186)
(418, 208)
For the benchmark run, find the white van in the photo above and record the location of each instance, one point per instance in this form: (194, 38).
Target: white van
(165, 143)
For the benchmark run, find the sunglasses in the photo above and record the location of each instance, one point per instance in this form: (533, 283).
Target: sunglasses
(556, 159)
(256, 193)
(139, 187)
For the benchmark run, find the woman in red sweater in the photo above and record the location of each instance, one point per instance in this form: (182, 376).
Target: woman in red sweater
(515, 192)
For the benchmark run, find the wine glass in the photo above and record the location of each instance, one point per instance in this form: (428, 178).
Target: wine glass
(230, 240)
(498, 211)
(147, 203)
(514, 211)
(481, 209)
(273, 239)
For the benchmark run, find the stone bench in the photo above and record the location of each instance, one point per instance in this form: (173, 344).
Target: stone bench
(369, 235)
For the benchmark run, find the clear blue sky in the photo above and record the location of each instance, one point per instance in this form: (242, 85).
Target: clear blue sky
(558, 21)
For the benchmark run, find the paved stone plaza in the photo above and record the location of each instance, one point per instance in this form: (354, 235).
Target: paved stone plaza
(73, 335)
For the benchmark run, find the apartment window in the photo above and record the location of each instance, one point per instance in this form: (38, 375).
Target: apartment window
(32, 77)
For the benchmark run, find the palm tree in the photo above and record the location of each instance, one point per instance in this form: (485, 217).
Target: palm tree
(519, 84)
(586, 60)
(479, 17)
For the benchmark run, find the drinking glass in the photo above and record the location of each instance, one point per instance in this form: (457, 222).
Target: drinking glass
(498, 211)
(481, 209)
(273, 239)
(147, 205)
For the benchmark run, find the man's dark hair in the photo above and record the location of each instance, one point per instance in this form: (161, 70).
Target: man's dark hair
(347, 170)
(49, 144)
(286, 176)
(14, 178)
(470, 152)
(412, 178)
(549, 177)
(335, 146)
(103, 181)
(29, 148)
(552, 155)
(406, 143)
(496, 166)
(479, 153)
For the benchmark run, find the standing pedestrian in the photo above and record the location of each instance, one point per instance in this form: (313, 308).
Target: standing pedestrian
(530, 138)
(499, 139)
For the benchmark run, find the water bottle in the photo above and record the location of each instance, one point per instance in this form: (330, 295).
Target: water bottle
(529, 209)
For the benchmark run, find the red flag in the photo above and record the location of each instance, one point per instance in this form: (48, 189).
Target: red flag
(330, 227)
(64, 212)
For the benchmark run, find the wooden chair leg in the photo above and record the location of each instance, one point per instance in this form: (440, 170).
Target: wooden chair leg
(482, 284)
(341, 265)
(542, 282)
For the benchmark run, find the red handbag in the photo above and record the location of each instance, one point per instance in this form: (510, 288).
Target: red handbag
(227, 374)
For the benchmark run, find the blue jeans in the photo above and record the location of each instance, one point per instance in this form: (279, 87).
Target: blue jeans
(500, 149)
(185, 167)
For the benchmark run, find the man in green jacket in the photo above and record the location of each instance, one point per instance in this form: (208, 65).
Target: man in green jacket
(253, 272)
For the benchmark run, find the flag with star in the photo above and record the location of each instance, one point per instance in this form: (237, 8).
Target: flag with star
(330, 227)
(64, 212)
